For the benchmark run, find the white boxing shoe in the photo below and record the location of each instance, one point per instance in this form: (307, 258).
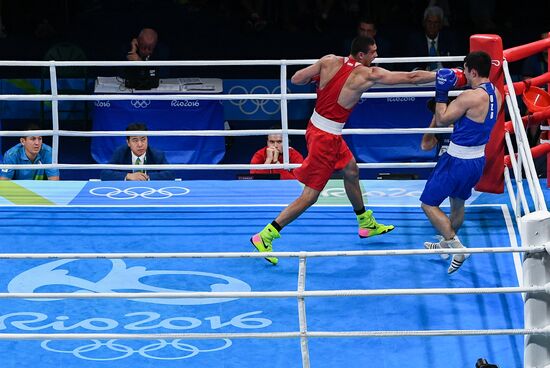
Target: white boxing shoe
(458, 259)
(437, 245)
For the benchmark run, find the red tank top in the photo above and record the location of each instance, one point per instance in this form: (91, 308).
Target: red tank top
(327, 98)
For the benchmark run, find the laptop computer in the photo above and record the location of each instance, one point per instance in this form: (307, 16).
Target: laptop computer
(141, 78)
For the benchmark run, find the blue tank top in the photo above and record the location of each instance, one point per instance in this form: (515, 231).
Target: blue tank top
(469, 133)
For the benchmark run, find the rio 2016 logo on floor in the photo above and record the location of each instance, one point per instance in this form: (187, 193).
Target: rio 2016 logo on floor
(76, 277)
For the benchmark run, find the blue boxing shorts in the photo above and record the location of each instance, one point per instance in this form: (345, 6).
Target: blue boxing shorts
(452, 177)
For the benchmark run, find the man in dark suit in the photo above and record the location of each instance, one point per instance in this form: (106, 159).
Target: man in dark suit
(137, 152)
(367, 27)
(434, 41)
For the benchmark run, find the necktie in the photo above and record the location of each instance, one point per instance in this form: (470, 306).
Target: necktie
(433, 52)
(138, 162)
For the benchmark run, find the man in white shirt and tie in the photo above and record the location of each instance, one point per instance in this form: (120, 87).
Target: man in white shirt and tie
(435, 40)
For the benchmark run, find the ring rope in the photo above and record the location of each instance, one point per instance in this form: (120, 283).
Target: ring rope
(275, 62)
(281, 294)
(523, 145)
(225, 133)
(273, 335)
(517, 178)
(352, 253)
(530, 172)
(261, 96)
(380, 165)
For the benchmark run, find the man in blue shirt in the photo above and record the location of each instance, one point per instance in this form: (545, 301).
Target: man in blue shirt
(29, 151)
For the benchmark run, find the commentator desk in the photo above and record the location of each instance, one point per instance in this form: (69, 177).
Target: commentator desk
(162, 115)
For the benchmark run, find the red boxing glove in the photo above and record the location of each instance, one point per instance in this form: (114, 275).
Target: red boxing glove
(316, 79)
(461, 80)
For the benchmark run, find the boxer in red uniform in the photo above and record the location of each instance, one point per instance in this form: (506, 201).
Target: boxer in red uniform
(340, 83)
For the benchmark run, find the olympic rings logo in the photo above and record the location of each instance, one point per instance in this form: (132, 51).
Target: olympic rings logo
(250, 107)
(124, 351)
(140, 104)
(143, 192)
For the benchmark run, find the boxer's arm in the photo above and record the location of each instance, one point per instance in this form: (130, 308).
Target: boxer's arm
(383, 76)
(445, 114)
(429, 140)
(305, 75)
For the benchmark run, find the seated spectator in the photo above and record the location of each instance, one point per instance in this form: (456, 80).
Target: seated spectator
(29, 151)
(273, 154)
(146, 47)
(367, 27)
(137, 152)
(434, 41)
(143, 46)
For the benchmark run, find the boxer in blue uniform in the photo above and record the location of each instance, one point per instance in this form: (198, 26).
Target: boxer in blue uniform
(474, 113)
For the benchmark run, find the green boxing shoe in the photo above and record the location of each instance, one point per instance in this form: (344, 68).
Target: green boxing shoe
(369, 227)
(262, 241)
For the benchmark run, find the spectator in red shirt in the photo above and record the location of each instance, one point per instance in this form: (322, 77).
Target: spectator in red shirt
(273, 154)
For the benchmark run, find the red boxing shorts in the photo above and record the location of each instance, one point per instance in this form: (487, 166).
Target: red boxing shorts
(326, 153)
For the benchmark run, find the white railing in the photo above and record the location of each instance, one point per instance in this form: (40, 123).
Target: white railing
(524, 159)
(283, 97)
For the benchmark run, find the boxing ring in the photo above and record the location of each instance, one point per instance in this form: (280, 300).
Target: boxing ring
(104, 273)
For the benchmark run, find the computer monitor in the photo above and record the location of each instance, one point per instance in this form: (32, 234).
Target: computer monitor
(141, 78)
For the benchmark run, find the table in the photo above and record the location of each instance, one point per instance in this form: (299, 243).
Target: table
(162, 115)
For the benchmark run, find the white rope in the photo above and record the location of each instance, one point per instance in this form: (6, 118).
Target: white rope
(219, 97)
(302, 321)
(214, 133)
(510, 188)
(517, 177)
(352, 253)
(281, 294)
(271, 335)
(538, 331)
(523, 143)
(384, 165)
(216, 62)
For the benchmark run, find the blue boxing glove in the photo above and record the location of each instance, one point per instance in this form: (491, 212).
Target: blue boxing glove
(445, 80)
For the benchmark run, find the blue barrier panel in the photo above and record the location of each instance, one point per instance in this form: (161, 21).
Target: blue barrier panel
(391, 112)
(264, 109)
(162, 115)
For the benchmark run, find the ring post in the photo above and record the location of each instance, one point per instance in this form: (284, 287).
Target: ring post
(534, 231)
(492, 180)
